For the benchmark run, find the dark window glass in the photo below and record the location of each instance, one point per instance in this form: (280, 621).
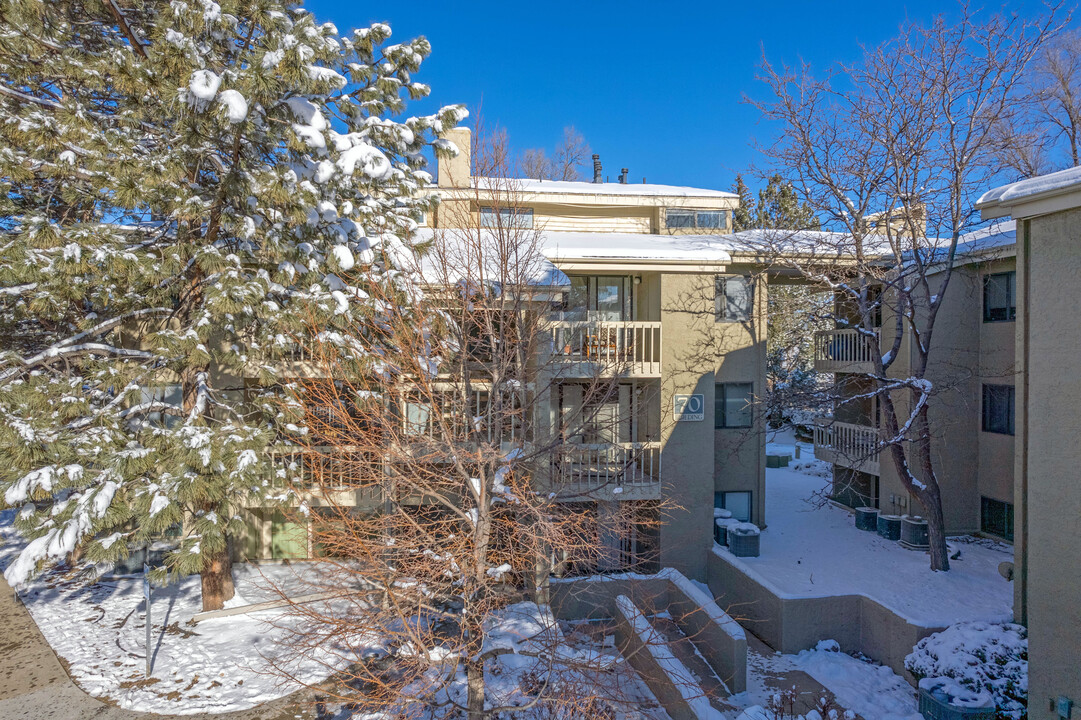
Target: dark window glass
(679, 218)
(1000, 297)
(732, 405)
(737, 503)
(710, 219)
(996, 517)
(998, 409)
(734, 298)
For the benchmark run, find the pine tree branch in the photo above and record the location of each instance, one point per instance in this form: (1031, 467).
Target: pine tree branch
(26, 97)
(84, 349)
(111, 323)
(126, 28)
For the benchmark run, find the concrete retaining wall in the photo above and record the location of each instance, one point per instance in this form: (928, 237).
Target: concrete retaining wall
(669, 679)
(716, 636)
(857, 623)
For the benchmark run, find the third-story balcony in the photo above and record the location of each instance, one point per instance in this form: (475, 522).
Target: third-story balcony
(845, 350)
(629, 348)
(847, 445)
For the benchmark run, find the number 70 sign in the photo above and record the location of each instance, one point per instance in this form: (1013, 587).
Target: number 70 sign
(689, 408)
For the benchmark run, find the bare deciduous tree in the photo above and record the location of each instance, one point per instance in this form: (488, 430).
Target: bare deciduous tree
(910, 129)
(570, 154)
(441, 493)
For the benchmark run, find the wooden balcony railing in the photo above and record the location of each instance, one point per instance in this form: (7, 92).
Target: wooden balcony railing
(587, 467)
(631, 347)
(845, 350)
(847, 445)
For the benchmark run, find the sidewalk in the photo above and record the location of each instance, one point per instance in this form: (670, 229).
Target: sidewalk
(35, 686)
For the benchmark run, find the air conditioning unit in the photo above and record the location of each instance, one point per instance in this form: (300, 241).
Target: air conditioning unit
(945, 699)
(720, 529)
(914, 533)
(867, 518)
(889, 527)
(743, 540)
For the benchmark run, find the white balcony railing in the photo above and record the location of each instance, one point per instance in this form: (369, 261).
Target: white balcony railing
(845, 350)
(628, 466)
(627, 347)
(847, 445)
(327, 469)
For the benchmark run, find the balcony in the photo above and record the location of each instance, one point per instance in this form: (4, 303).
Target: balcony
(332, 472)
(625, 348)
(847, 445)
(846, 350)
(620, 471)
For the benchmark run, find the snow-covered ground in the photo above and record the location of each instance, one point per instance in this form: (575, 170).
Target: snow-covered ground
(874, 692)
(216, 666)
(810, 550)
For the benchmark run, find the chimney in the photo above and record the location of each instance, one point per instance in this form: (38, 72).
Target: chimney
(623, 176)
(455, 171)
(597, 169)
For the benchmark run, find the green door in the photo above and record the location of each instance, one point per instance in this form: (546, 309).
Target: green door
(287, 539)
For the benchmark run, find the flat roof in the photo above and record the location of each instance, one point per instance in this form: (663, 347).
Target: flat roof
(566, 187)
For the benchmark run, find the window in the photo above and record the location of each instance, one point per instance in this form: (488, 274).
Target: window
(506, 217)
(602, 297)
(737, 503)
(679, 219)
(734, 298)
(998, 408)
(996, 517)
(1000, 297)
(732, 405)
(168, 394)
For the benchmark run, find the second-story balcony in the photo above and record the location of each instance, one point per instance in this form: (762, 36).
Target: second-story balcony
(847, 445)
(845, 350)
(609, 471)
(622, 347)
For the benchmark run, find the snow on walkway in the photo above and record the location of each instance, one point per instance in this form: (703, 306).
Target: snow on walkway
(811, 551)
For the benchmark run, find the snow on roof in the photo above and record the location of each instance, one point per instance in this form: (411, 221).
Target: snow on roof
(997, 236)
(1025, 189)
(590, 188)
(820, 243)
(457, 256)
(570, 246)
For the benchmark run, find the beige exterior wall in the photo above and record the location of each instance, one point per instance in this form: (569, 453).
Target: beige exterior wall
(1049, 491)
(698, 459)
(966, 352)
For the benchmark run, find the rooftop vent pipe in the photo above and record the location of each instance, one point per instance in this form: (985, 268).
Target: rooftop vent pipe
(597, 169)
(623, 176)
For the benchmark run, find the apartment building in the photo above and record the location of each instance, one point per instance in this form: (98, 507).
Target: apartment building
(972, 411)
(644, 284)
(1047, 512)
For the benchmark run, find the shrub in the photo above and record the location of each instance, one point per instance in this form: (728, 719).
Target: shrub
(991, 657)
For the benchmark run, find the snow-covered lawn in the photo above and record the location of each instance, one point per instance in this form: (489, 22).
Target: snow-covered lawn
(814, 551)
(216, 666)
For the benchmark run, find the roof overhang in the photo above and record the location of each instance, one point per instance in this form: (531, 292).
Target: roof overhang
(1042, 195)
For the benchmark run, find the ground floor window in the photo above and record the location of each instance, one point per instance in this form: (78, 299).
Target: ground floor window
(996, 518)
(737, 503)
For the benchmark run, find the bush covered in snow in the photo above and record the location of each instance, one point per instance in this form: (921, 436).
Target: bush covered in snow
(991, 657)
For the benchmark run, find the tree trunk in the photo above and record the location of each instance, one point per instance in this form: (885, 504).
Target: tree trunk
(217, 577)
(936, 528)
(474, 673)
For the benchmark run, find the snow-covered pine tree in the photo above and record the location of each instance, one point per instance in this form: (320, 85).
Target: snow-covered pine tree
(182, 183)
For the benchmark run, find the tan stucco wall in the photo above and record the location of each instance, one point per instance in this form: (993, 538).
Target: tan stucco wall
(697, 352)
(1050, 392)
(965, 353)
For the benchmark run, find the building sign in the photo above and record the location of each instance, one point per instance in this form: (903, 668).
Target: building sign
(689, 407)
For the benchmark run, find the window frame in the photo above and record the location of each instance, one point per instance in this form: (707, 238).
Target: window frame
(988, 422)
(693, 215)
(721, 302)
(506, 217)
(1009, 310)
(720, 403)
(721, 497)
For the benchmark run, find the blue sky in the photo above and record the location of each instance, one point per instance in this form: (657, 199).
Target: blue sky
(656, 87)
